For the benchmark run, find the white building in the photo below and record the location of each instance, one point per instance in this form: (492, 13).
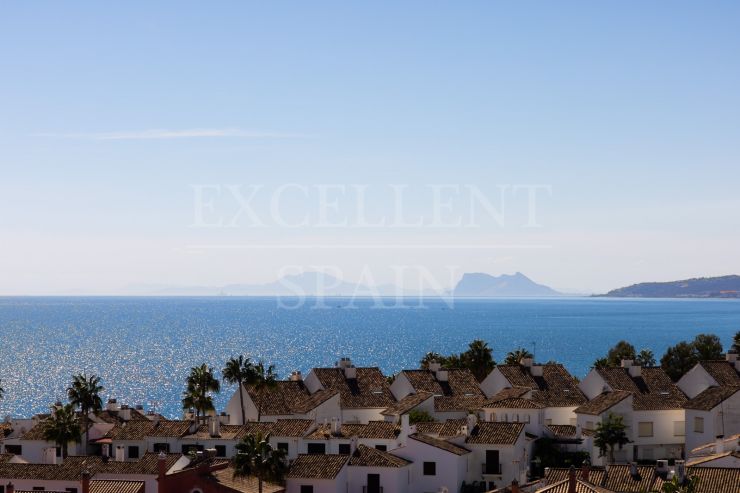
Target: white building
(649, 402)
(437, 465)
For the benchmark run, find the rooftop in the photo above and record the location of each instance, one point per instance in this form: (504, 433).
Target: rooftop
(554, 388)
(369, 388)
(370, 457)
(319, 466)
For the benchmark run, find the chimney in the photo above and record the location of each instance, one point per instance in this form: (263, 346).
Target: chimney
(579, 431)
(681, 471)
(471, 421)
(441, 375)
(731, 356)
(585, 470)
(106, 450)
(153, 417)
(335, 426)
(572, 480)
(50, 455)
(85, 481)
(626, 363)
(526, 362)
(350, 372)
(719, 444)
(119, 453)
(214, 426)
(295, 376)
(112, 405)
(10, 488)
(162, 472)
(536, 370)
(344, 363)
(635, 370)
(434, 366)
(125, 413)
(515, 486)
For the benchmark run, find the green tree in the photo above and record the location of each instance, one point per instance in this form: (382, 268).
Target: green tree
(707, 347)
(265, 380)
(84, 392)
(478, 359)
(610, 433)
(621, 350)
(690, 485)
(679, 359)
(62, 427)
(419, 416)
(200, 384)
(514, 357)
(256, 457)
(601, 363)
(645, 358)
(239, 371)
(431, 357)
(736, 342)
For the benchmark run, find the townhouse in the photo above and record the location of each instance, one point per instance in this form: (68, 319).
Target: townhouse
(550, 387)
(650, 404)
(455, 392)
(341, 438)
(288, 399)
(713, 408)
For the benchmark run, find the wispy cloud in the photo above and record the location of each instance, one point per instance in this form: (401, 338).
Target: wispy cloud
(160, 134)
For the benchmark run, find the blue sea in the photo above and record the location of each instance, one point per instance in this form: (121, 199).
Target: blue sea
(143, 347)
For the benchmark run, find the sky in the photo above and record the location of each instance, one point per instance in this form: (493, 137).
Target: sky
(587, 145)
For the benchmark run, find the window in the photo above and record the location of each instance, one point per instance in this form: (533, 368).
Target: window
(306, 488)
(679, 428)
(645, 429)
(316, 448)
(162, 447)
(382, 448)
(344, 449)
(698, 425)
(430, 469)
(492, 465)
(133, 452)
(14, 449)
(283, 446)
(220, 450)
(647, 453)
(2, 488)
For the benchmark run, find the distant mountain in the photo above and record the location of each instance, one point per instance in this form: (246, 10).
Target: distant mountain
(700, 287)
(486, 286)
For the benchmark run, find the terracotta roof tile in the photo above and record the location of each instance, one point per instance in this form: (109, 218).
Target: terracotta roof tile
(407, 403)
(566, 431)
(369, 389)
(440, 444)
(371, 457)
(289, 397)
(250, 484)
(716, 479)
(619, 478)
(290, 427)
(115, 486)
(554, 388)
(652, 389)
(711, 398)
(458, 403)
(317, 466)
(602, 402)
(460, 382)
(451, 428)
(564, 485)
(495, 433)
(383, 430)
(432, 427)
(514, 403)
(723, 372)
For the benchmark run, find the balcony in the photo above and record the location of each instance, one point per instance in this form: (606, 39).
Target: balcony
(491, 468)
(372, 490)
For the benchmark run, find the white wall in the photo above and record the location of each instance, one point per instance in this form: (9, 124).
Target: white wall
(722, 420)
(401, 387)
(451, 469)
(336, 485)
(392, 479)
(494, 383)
(592, 385)
(560, 415)
(696, 381)
(664, 444)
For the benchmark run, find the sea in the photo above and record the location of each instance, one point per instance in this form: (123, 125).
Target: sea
(143, 347)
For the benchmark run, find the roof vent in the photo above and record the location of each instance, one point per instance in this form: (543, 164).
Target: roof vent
(295, 376)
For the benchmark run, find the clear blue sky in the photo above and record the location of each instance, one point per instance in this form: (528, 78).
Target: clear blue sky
(109, 114)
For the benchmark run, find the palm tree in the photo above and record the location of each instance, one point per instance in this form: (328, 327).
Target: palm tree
(736, 342)
(200, 383)
(265, 379)
(675, 486)
(239, 371)
(85, 393)
(256, 457)
(516, 356)
(63, 427)
(645, 358)
(478, 359)
(609, 434)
